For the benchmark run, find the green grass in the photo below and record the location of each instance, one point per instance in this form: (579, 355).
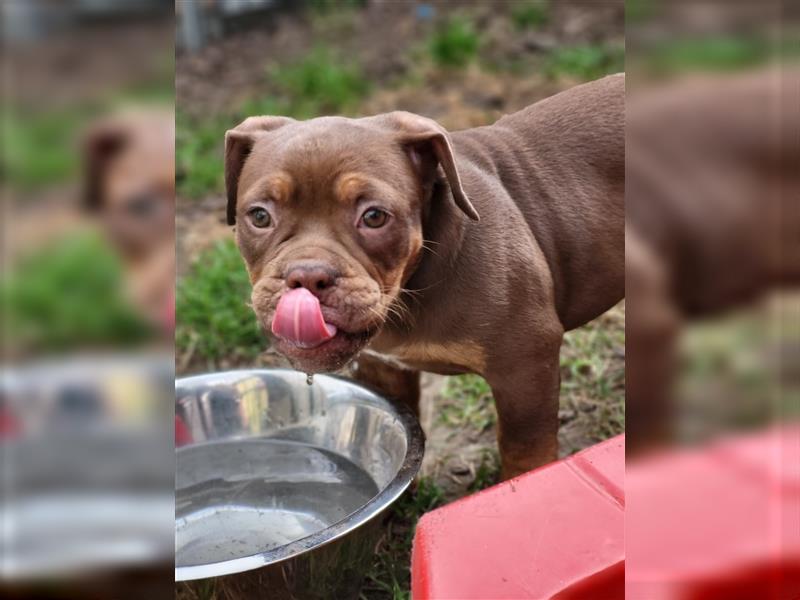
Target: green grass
(199, 156)
(325, 7)
(593, 375)
(585, 62)
(455, 44)
(715, 54)
(468, 403)
(530, 14)
(640, 11)
(213, 318)
(390, 575)
(40, 149)
(320, 83)
(488, 472)
(69, 295)
(729, 377)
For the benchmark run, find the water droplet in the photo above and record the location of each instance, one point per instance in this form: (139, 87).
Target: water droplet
(309, 379)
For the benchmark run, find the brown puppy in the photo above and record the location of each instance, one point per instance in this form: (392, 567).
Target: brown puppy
(130, 186)
(379, 219)
(712, 210)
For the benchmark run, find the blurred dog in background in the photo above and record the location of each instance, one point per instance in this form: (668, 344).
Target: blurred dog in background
(130, 186)
(711, 210)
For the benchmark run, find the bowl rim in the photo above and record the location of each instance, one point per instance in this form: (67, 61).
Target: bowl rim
(415, 448)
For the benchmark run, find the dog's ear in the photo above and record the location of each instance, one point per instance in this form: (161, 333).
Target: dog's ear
(428, 146)
(101, 144)
(238, 143)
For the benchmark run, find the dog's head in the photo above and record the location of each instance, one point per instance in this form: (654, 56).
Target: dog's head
(329, 216)
(130, 180)
(129, 186)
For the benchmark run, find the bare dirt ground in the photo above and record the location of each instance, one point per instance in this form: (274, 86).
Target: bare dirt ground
(385, 39)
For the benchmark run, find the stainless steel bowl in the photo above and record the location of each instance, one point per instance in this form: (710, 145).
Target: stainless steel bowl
(280, 486)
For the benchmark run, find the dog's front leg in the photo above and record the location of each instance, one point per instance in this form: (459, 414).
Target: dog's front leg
(525, 387)
(395, 384)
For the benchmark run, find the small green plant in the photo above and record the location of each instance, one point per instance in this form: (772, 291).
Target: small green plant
(455, 44)
(198, 156)
(390, 575)
(39, 149)
(316, 85)
(585, 62)
(42, 147)
(487, 473)
(213, 318)
(530, 14)
(69, 295)
(468, 403)
(319, 84)
(639, 11)
(325, 7)
(593, 375)
(708, 54)
(586, 360)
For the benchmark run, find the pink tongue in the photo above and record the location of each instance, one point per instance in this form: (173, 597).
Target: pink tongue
(298, 319)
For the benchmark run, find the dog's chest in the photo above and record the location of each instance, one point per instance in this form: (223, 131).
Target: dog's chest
(389, 359)
(446, 358)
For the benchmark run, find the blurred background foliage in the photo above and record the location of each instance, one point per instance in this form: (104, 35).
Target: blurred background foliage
(328, 77)
(63, 284)
(45, 132)
(48, 291)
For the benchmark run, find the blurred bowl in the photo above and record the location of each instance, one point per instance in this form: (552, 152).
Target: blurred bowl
(87, 490)
(280, 483)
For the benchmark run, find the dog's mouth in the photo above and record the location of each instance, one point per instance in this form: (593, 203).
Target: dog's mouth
(331, 355)
(312, 338)
(299, 320)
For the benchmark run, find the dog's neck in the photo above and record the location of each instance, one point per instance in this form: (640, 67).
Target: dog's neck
(443, 230)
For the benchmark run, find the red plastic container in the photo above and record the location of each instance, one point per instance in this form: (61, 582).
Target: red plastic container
(721, 522)
(717, 523)
(557, 532)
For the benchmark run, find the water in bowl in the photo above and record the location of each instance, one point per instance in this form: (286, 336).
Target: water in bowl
(243, 497)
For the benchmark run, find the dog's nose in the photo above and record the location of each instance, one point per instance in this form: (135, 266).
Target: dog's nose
(314, 277)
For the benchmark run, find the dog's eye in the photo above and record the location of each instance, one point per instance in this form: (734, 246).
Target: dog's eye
(260, 217)
(142, 206)
(374, 218)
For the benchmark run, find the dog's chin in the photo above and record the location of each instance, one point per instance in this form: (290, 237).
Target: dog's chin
(330, 356)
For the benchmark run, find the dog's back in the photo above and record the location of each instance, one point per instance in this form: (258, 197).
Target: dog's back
(561, 162)
(712, 177)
